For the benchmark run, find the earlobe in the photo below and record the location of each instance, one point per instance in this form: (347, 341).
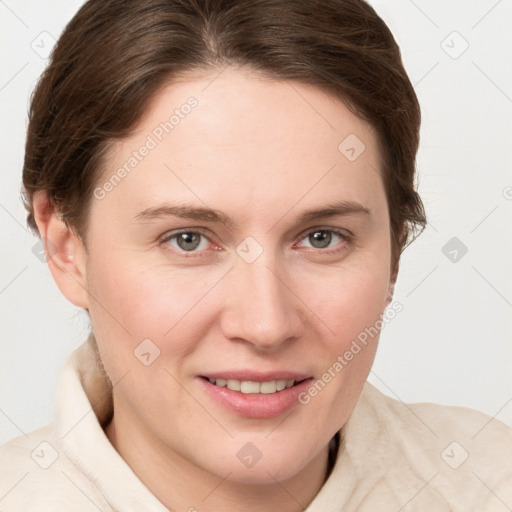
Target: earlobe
(391, 291)
(65, 252)
(392, 281)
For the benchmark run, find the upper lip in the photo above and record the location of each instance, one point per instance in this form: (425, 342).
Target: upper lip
(257, 376)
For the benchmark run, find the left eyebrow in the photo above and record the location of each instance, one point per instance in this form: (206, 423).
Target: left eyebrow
(340, 208)
(334, 209)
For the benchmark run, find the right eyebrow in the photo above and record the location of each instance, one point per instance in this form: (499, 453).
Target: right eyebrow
(185, 212)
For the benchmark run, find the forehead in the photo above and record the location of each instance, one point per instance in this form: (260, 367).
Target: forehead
(236, 138)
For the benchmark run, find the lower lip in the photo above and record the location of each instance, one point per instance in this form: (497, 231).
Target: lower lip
(256, 405)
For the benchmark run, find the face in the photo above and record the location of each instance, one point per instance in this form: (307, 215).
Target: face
(248, 243)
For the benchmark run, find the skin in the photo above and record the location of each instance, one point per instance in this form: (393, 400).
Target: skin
(262, 152)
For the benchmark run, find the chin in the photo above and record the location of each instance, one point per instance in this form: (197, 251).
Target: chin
(263, 474)
(260, 463)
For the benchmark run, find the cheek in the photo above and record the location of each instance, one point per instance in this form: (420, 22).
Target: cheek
(136, 300)
(353, 311)
(348, 300)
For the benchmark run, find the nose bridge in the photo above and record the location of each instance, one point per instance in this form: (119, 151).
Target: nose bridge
(261, 308)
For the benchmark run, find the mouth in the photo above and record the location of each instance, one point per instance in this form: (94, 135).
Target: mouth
(255, 396)
(268, 387)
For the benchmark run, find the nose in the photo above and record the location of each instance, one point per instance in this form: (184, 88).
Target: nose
(261, 307)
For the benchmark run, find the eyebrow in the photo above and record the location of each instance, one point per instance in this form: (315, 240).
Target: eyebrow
(185, 212)
(334, 209)
(215, 216)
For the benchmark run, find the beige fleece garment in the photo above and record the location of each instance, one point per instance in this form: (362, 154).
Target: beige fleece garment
(394, 457)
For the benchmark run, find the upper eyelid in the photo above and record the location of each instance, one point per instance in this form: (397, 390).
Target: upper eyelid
(203, 231)
(169, 234)
(341, 231)
(344, 233)
(166, 237)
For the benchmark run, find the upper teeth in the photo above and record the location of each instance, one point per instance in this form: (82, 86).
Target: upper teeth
(247, 386)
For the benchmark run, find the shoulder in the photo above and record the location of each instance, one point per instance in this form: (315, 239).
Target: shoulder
(458, 454)
(434, 423)
(36, 475)
(431, 416)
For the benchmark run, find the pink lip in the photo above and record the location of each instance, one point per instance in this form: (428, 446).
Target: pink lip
(256, 405)
(255, 376)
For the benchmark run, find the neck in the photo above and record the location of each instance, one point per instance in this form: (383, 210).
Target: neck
(181, 485)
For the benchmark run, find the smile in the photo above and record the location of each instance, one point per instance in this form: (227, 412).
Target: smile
(251, 387)
(254, 395)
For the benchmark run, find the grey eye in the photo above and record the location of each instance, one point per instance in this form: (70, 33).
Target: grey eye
(188, 241)
(320, 239)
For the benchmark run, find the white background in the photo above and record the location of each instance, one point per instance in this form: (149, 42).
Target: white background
(451, 344)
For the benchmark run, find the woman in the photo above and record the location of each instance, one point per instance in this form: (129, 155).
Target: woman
(226, 189)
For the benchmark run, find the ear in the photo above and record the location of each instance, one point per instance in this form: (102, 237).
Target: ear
(392, 281)
(65, 252)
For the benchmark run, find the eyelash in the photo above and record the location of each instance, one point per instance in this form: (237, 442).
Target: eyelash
(345, 236)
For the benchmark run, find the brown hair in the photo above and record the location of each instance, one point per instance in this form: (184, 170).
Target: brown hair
(115, 55)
